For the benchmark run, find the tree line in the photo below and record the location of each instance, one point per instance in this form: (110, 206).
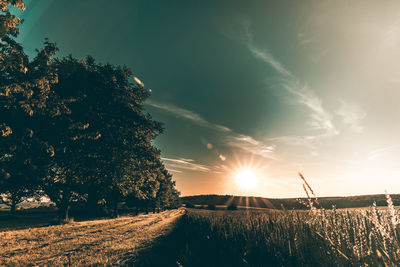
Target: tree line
(75, 130)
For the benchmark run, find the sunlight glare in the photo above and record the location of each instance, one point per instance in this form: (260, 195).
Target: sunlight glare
(246, 180)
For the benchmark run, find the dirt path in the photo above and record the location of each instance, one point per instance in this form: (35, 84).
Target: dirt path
(108, 241)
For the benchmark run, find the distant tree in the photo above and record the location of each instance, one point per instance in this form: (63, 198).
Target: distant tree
(211, 207)
(232, 207)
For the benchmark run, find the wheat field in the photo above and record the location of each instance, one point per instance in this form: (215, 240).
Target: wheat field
(363, 237)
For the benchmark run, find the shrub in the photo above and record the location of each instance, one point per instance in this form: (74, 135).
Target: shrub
(211, 207)
(232, 207)
(189, 205)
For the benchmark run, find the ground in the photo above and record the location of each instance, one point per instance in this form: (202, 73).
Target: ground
(106, 241)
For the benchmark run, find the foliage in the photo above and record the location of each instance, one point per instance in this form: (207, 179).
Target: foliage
(24, 95)
(231, 207)
(75, 129)
(211, 207)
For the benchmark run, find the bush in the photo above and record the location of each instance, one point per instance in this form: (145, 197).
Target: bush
(211, 207)
(231, 207)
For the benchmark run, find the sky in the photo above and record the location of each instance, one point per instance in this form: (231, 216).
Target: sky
(273, 87)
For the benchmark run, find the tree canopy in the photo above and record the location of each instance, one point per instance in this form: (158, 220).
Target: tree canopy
(75, 130)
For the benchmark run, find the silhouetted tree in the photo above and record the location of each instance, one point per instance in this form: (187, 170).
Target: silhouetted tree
(75, 129)
(25, 96)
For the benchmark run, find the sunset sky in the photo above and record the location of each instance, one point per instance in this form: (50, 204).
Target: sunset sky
(271, 87)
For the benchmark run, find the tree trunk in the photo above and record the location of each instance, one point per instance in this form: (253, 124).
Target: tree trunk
(13, 207)
(63, 213)
(63, 209)
(14, 203)
(115, 209)
(93, 208)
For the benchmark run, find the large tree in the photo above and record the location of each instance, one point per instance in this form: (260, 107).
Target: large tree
(24, 96)
(74, 128)
(102, 147)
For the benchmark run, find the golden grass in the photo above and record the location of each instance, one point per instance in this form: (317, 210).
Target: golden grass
(104, 242)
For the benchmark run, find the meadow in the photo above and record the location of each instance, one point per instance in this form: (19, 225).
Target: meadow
(200, 237)
(363, 237)
(101, 242)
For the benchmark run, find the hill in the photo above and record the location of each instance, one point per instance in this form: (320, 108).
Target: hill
(289, 203)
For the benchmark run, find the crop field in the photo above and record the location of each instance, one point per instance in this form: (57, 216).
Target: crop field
(365, 237)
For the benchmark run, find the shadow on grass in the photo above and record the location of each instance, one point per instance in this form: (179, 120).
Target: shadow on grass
(23, 219)
(188, 245)
(165, 250)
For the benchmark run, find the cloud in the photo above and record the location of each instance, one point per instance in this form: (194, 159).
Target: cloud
(263, 55)
(232, 139)
(304, 39)
(381, 152)
(320, 119)
(187, 114)
(352, 115)
(251, 145)
(184, 164)
(306, 141)
(391, 36)
(268, 58)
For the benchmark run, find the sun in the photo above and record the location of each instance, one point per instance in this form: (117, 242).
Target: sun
(246, 179)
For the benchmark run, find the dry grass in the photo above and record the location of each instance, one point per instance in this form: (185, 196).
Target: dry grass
(104, 242)
(364, 237)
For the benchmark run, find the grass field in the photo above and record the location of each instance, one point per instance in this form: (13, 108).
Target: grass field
(105, 242)
(198, 237)
(367, 237)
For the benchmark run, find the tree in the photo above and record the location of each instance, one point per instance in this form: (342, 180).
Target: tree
(75, 129)
(24, 95)
(167, 195)
(102, 147)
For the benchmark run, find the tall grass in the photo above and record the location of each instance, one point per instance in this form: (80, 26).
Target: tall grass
(318, 237)
(251, 238)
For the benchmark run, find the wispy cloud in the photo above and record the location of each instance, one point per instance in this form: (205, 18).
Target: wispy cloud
(305, 141)
(187, 114)
(251, 145)
(264, 55)
(179, 164)
(268, 58)
(304, 39)
(352, 115)
(231, 138)
(320, 119)
(391, 36)
(381, 152)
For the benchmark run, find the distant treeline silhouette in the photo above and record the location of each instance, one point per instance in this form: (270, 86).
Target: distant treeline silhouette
(288, 203)
(75, 131)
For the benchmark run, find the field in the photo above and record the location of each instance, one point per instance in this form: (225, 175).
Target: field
(199, 237)
(368, 237)
(105, 242)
